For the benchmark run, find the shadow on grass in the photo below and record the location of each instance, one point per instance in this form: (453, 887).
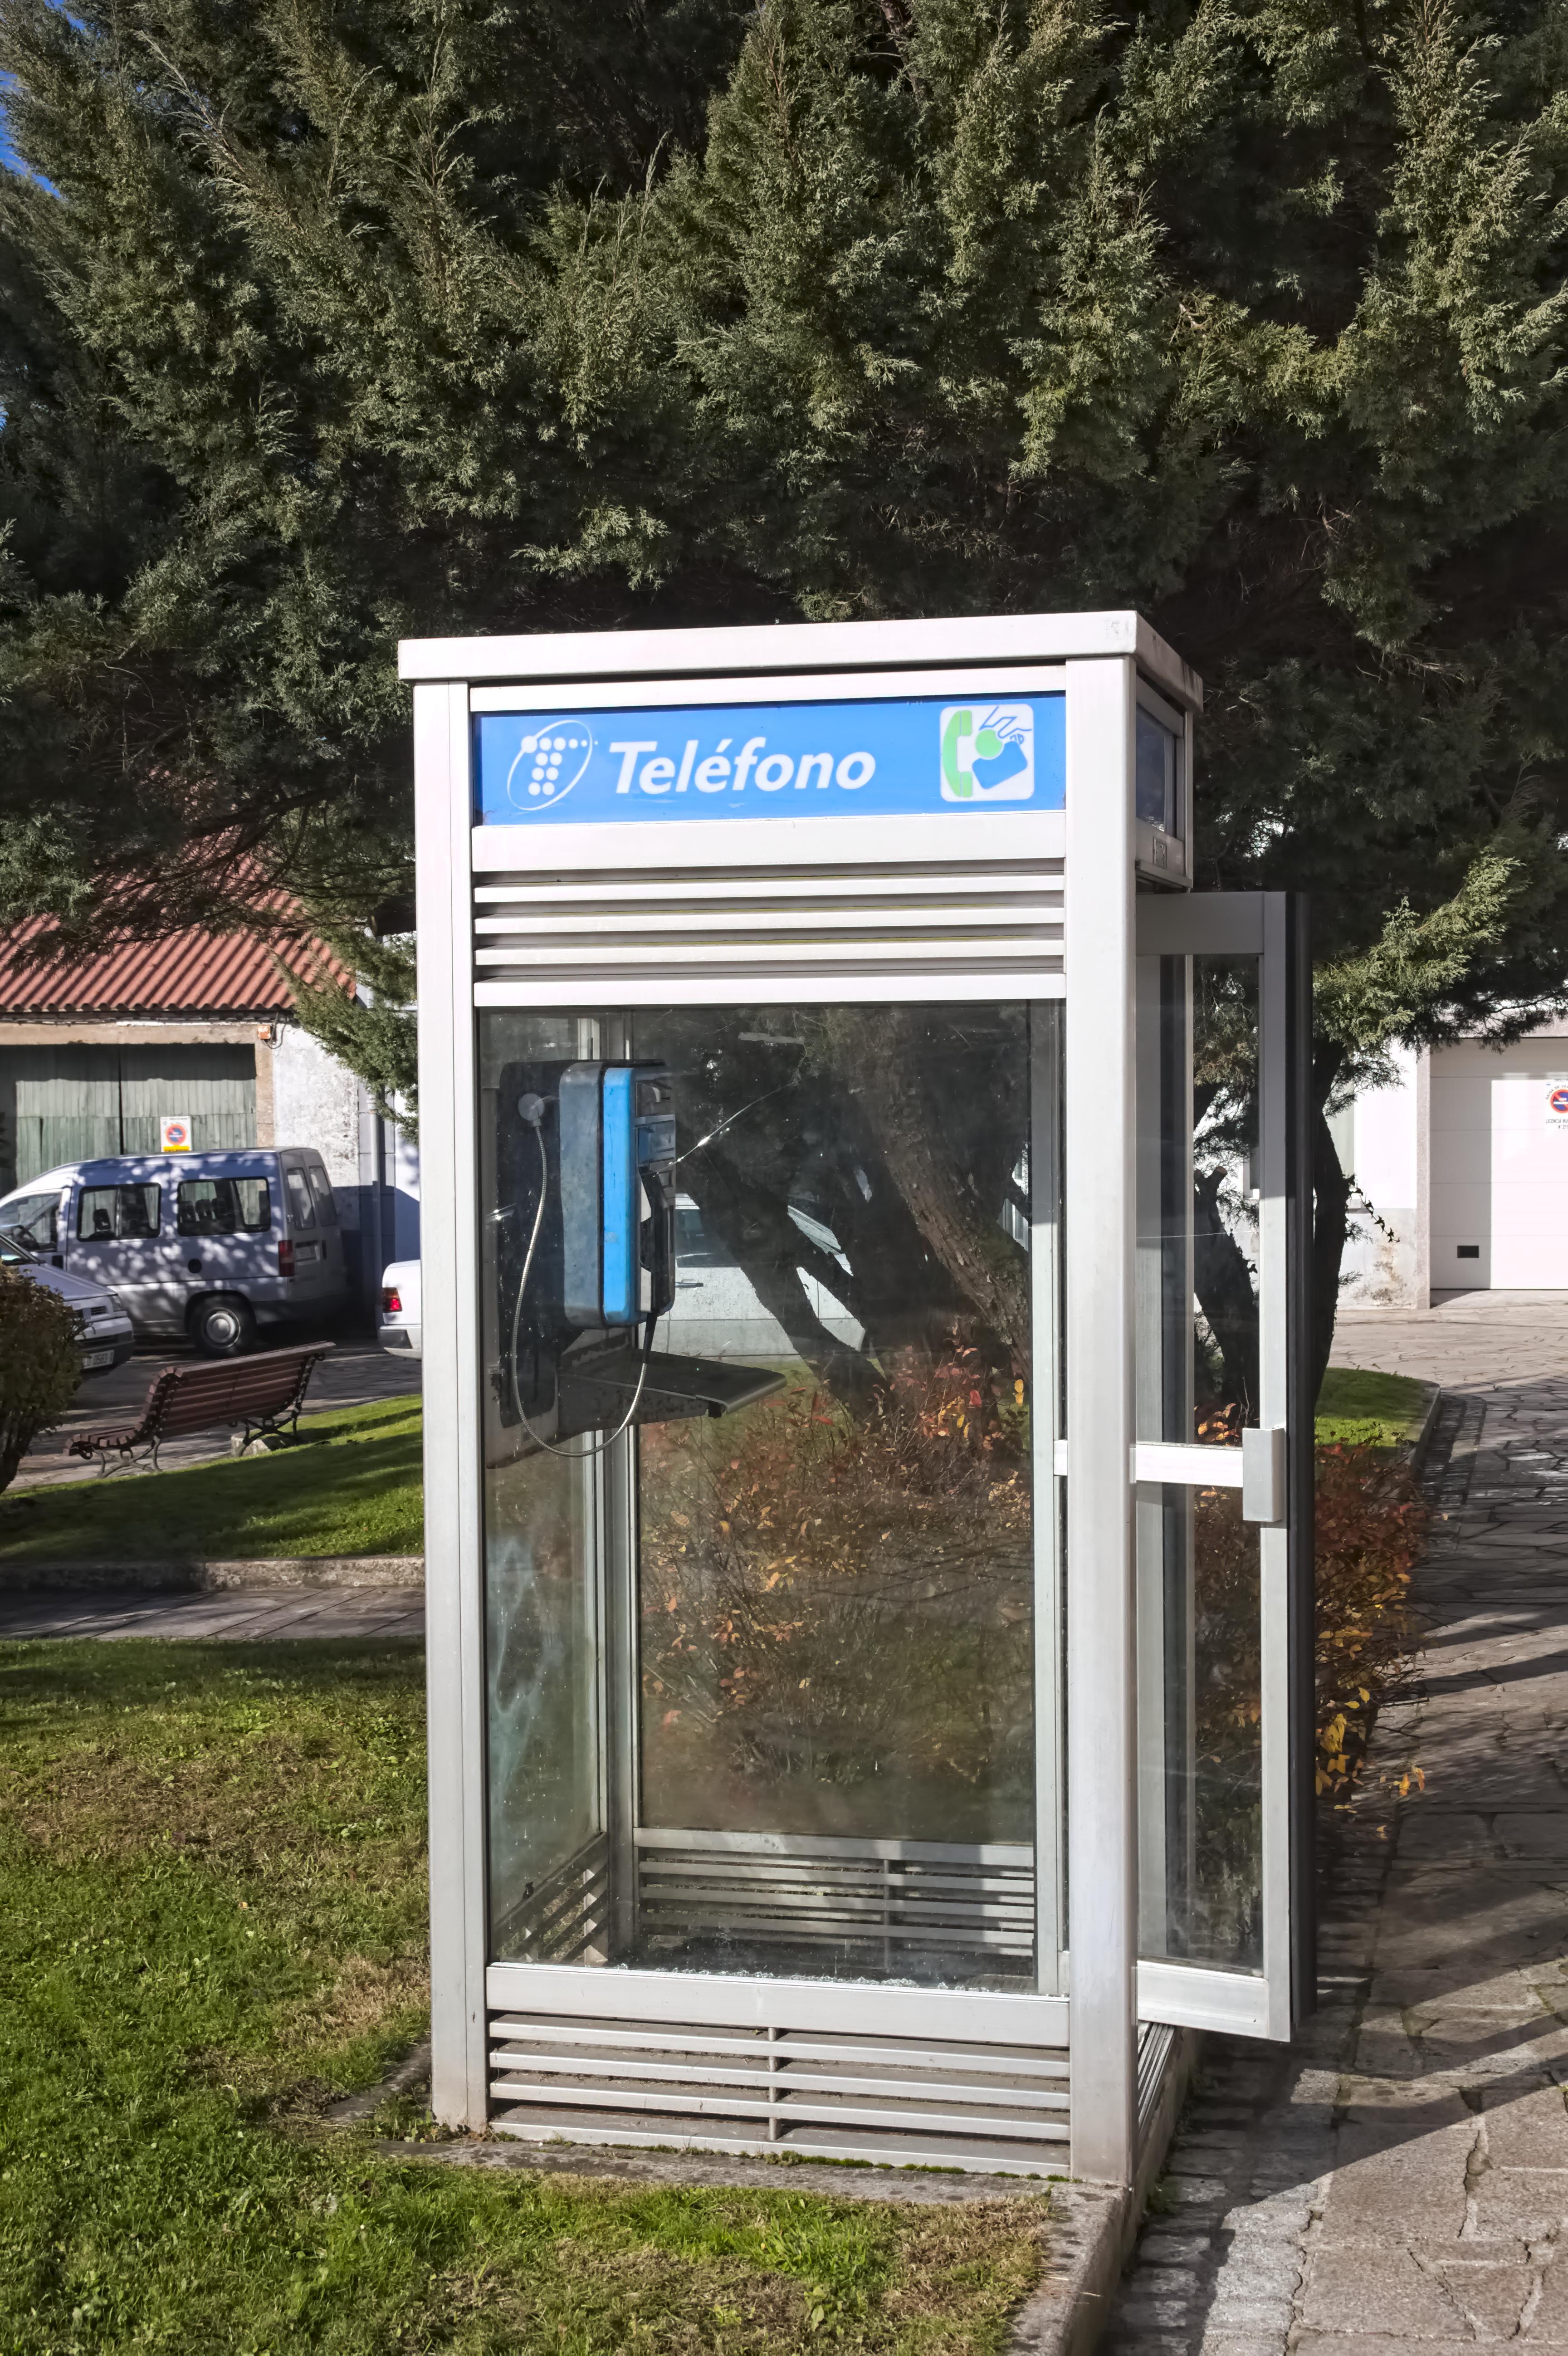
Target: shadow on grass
(141, 1672)
(353, 1487)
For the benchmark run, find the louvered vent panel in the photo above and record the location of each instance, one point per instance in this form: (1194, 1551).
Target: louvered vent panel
(561, 1919)
(892, 1903)
(684, 923)
(896, 2099)
(1155, 2044)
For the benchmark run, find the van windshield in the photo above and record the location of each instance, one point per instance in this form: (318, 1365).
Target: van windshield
(111, 1213)
(33, 1220)
(223, 1206)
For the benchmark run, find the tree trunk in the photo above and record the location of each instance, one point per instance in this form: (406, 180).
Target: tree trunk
(18, 1433)
(1223, 1281)
(756, 1228)
(1227, 1293)
(962, 1233)
(1330, 1226)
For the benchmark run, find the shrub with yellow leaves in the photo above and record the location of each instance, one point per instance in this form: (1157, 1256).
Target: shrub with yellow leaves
(1371, 1528)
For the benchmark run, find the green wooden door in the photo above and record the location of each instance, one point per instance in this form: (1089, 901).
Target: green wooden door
(66, 1103)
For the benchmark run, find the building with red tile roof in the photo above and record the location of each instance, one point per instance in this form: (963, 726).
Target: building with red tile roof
(193, 974)
(101, 1043)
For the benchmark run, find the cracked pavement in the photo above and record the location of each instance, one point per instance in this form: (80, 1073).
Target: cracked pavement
(1401, 2173)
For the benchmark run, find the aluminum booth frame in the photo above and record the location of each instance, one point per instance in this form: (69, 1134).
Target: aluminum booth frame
(1086, 902)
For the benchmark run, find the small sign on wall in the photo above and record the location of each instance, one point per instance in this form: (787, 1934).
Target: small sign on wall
(173, 1133)
(1555, 1111)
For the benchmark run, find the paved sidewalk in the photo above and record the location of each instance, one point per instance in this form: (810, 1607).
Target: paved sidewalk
(1401, 2176)
(252, 1613)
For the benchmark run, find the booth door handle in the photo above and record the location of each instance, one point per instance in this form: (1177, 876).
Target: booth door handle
(1189, 1467)
(1263, 1476)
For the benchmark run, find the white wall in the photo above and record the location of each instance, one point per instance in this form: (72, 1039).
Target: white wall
(390, 1175)
(1383, 1260)
(315, 1101)
(1499, 1167)
(1495, 1185)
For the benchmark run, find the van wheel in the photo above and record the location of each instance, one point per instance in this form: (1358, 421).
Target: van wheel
(223, 1327)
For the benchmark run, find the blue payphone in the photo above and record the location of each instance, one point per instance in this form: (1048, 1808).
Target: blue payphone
(586, 1159)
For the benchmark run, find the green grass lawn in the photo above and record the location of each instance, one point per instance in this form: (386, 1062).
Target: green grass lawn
(213, 1924)
(1358, 1407)
(350, 1484)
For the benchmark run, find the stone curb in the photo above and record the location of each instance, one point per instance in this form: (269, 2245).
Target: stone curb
(211, 1577)
(1091, 2227)
(1422, 1444)
(1083, 2243)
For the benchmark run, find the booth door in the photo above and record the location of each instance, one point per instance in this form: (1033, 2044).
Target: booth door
(1222, 1466)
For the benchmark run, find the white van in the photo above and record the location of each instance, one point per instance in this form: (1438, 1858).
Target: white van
(209, 1245)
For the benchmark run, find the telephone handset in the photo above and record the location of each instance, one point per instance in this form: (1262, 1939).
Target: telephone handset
(585, 1178)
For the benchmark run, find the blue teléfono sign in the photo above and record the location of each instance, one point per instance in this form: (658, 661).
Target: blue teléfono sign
(882, 758)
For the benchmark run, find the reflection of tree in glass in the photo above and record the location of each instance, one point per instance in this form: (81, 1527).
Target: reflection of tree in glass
(900, 1129)
(538, 1679)
(836, 1586)
(1225, 1134)
(835, 1613)
(1223, 1923)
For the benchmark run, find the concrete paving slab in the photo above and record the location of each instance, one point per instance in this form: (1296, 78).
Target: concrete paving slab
(1340, 2292)
(1380, 2185)
(1549, 2319)
(1372, 2343)
(1537, 1834)
(1443, 1984)
(289, 1614)
(1526, 2129)
(1492, 2300)
(1446, 1836)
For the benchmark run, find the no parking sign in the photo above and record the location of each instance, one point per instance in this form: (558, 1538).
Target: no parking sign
(1556, 1113)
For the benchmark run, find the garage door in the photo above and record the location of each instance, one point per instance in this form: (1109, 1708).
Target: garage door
(1499, 1167)
(70, 1103)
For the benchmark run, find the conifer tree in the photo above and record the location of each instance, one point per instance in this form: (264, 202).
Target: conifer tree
(326, 323)
(1251, 316)
(300, 350)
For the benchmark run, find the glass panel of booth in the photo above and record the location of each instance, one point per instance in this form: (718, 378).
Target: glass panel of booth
(770, 1308)
(1198, 1196)
(1200, 1660)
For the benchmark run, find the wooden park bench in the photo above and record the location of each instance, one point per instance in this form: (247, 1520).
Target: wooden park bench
(258, 1396)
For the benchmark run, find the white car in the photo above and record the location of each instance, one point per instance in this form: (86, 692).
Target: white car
(103, 1325)
(398, 1322)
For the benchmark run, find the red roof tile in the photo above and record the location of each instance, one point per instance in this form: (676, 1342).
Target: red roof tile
(187, 973)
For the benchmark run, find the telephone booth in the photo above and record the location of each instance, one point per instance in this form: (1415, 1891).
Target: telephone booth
(868, 1480)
